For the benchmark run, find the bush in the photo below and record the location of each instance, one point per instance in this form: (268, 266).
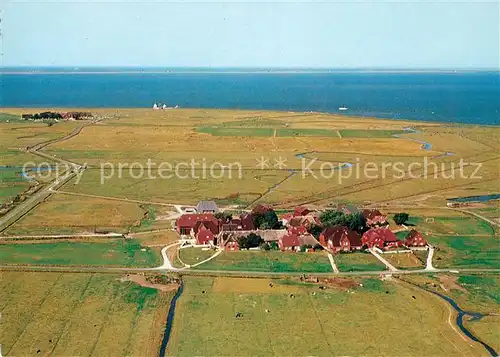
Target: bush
(401, 218)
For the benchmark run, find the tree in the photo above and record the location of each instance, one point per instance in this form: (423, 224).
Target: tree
(243, 242)
(224, 216)
(254, 240)
(401, 218)
(332, 218)
(315, 230)
(268, 220)
(274, 246)
(356, 222)
(303, 248)
(265, 246)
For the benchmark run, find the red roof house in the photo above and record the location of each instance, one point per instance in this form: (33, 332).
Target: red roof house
(340, 238)
(187, 222)
(374, 217)
(381, 237)
(204, 235)
(301, 211)
(261, 209)
(289, 242)
(247, 222)
(297, 230)
(415, 239)
(228, 241)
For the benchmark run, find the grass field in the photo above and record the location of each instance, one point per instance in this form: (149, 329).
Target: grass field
(462, 225)
(477, 293)
(269, 261)
(311, 322)
(192, 256)
(116, 252)
(404, 260)
(357, 262)
(79, 315)
(71, 214)
(463, 251)
(11, 183)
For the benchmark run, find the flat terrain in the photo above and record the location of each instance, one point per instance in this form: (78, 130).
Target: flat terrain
(309, 321)
(79, 315)
(406, 260)
(274, 261)
(104, 252)
(70, 214)
(357, 262)
(463, 251)
(296, 145)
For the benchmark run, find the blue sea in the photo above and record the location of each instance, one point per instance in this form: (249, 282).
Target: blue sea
(461, 97)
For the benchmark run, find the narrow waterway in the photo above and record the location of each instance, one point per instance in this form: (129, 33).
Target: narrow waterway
(170, 320)
(460, 317)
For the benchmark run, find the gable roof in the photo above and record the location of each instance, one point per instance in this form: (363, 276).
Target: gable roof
(336, 233)
(308, 239)
(189, 220)
(383, 233)
(301, 211)
(206, 206)
(261, 209)
(290, 240)
(413, 237)
(372, 213)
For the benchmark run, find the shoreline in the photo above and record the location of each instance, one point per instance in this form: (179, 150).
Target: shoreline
(336, 115)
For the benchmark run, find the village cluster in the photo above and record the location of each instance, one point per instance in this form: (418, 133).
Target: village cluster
(57, 116)
(303, 230)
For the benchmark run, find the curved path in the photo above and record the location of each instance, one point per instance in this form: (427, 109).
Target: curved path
(73, 170)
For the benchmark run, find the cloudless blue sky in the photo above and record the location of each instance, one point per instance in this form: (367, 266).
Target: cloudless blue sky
(399, 34)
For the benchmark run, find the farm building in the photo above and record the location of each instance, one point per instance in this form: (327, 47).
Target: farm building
(268, 235)
(297, 229)
(206, 207)
(289, 242)
(301, 211)
(340, 238)
(381, 237)
(415, 239)
(261, 209)
(204, 235)
(374, 217)
(187, 222)
(243, 223)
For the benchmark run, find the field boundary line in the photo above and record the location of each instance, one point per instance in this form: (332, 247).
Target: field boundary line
(113, 198)
(77, 303)
(33, 314)
(320, 323)
(105, 319)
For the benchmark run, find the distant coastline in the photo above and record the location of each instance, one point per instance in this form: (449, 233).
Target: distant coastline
(452, 97)
(228, 70)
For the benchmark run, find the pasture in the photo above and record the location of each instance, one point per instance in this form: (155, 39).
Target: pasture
(465, 251)
(357, 262)
(72, 214)
(136, 135)
(62, 314)
(274, 261)
(406, 260)
(192, 256)
(103, 252)
(308, 321)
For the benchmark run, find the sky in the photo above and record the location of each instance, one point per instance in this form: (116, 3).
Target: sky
(310, 34)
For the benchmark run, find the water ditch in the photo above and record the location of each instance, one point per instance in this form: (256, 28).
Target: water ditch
(170, 320)
(474, 316)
